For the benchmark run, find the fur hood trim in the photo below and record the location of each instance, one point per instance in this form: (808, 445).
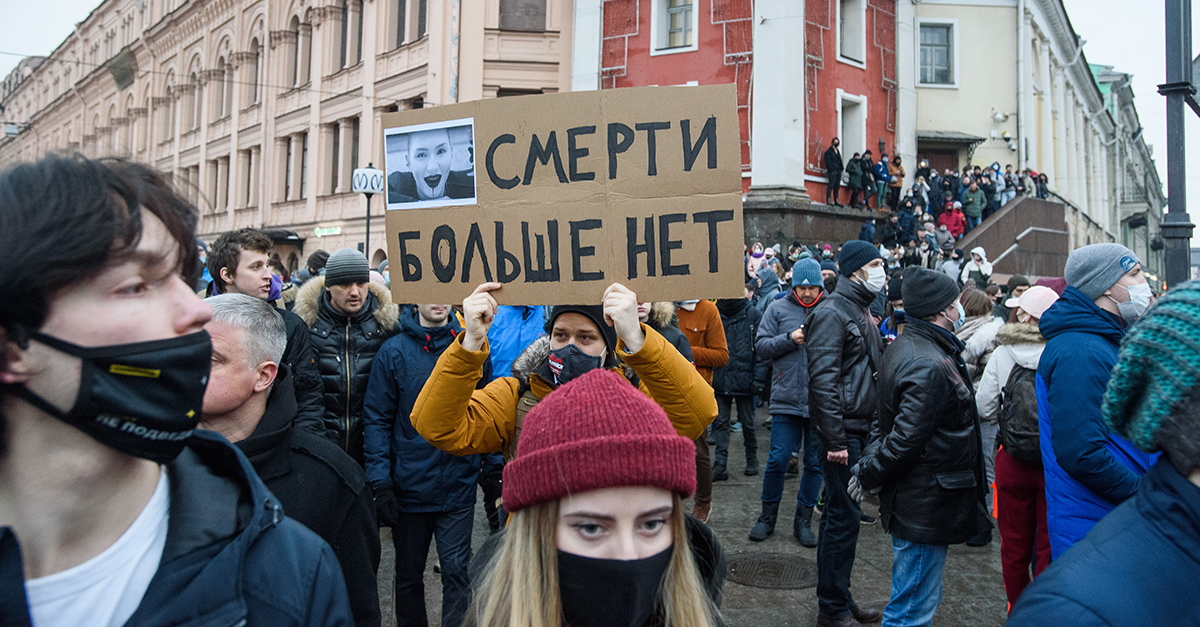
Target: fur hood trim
(984, 337)
(532, 357)
(662, 314)
(308, 303)
(1016, 333)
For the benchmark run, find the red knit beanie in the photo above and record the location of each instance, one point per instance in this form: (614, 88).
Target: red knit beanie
(595, 432)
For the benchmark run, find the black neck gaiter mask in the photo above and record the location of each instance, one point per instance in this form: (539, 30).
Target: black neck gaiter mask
(610, 593)
(568, 362)
(143, 399)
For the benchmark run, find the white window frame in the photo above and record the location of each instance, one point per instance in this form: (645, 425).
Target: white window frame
(862, 65)
(658, 29)
(858, 99)
(952, 22)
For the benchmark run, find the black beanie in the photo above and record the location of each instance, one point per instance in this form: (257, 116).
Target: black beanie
(595, 313)
(856, 254)
(317, 260)
(927, 292)
(895, 289)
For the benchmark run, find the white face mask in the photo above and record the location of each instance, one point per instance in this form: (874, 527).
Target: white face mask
(962, 315)
(689, 305)
(1139, 301)
(876, 278)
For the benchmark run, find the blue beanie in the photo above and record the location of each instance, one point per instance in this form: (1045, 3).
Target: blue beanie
(856, 254)
(807, 272)
(829, 264)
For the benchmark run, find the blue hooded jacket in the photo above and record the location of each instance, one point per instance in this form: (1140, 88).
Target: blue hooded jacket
(423, 478)
(1089, 469)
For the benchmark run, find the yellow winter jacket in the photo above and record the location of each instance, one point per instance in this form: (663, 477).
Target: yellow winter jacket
(455, 417)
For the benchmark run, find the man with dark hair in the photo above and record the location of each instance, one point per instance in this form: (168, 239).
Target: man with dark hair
(349, 318)
(833, 169)
(844, 348)
(927, 464)
(238, 263)
(249, 400)
(114, 507)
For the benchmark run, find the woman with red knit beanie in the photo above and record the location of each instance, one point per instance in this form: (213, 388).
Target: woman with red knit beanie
(597, 534)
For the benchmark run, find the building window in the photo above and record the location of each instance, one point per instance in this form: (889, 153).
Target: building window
(354, 145)
(674, 24)
(345, 33)
(335, 154)
(937, 54)
(852, 30)
(295, 51)
(401, 16)
(287, 170)
(852, 122)
(422, 15)
(523, 15)
(303, 163)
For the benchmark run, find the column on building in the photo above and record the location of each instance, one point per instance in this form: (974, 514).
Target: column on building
(222, 197)
(281, 168)
(255, 169)
(778, 126)
(329, 180)
(345, 158)
(297, 166)
(241, 178)
(353, 44)
(304, 52)
(330, 39)
(1078, 170)
(1046, 132)
(1061, 166)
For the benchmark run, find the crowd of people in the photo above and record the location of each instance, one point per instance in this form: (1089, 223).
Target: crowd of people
(192, 434)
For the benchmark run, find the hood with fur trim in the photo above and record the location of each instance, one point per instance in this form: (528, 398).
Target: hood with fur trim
(1018, 333)
(308, 303)
(662, 314)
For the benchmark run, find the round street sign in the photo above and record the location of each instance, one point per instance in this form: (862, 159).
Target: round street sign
(368, 181)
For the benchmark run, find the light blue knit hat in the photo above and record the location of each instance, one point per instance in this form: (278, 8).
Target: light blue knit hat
(1154, 391)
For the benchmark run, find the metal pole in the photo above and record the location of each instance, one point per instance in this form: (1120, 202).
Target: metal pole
(367, 240)
(1177, 225)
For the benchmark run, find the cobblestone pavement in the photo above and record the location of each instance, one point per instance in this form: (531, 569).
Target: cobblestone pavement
(973, 592)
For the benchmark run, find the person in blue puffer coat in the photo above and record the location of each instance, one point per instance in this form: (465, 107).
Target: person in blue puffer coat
(422, 493)
(1089, 469)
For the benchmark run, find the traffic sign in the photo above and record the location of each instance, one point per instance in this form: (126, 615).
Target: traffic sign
(369, 181)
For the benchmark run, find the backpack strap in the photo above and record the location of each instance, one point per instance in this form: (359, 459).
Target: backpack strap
(525, 403)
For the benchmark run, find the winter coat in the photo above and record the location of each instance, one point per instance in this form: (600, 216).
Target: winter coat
(854, 173)
(788, 360)
(768, 288)
(345, 349)
(231, 556)
(928, 459)
(300, 357)
(889, 234)
(1089, 469)
(868, 174)
(1138, 566)
(1017, 345)
(662, 318)
(321, 487)
(882, 172)
(843, 347)
(702, 328)
(455, 417)
(944, 238)
(978, 334)
(745, 373)
(908, 227)
(954, 222)
(423, 478)
(833, 162)
(980, 273)
(973, 203)
(895, 175)
(513, 330)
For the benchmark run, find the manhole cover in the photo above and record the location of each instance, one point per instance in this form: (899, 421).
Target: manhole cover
(777, 571)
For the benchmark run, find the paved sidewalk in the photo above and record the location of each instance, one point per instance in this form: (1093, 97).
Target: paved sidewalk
(974, 590)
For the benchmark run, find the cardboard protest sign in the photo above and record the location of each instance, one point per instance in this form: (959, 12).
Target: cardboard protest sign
(557, 196)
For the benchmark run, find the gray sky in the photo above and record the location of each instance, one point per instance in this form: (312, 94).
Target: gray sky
(1131, 41)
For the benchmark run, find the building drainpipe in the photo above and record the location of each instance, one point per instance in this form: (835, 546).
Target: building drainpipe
(455, 37)
(1022, 78)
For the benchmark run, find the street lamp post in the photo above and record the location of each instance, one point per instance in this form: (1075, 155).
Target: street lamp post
(369, 181)
(1177, 226)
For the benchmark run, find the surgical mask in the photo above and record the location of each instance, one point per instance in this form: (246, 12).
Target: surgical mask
(876, 278)
(610, 593)
(142, 399)
(1139, 301)
(827, 254)
(962, 316)
(689, 305)
(569, 362)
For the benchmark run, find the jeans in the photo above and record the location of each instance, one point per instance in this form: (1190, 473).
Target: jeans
(834, 186)
(880, 192)
(989, 431)
(720, 427)
(916, 583)
(838, 539)
(972, 222)
(411, 537)
(1021, 505)
(788, 433)
(1006, 196)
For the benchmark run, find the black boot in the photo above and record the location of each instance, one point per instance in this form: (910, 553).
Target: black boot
(719, 473)
(751, 466)
(802, 527)
(766, 523)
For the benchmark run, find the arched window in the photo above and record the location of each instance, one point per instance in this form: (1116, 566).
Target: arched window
(345, 32)
(220, 91)
(252, 74)
(295, 28)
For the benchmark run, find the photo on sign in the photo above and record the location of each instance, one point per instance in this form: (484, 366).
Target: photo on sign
(430, 165)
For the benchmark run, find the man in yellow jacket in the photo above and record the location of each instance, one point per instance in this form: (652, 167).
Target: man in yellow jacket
(455, 417)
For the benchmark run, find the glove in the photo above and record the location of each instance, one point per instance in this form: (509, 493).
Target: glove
(756, 389)
(387, 508)
(854, 489)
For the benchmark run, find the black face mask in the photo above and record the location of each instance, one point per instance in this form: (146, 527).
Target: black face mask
(610, 593)
(569, 362)
(143, 399)
(830, 284)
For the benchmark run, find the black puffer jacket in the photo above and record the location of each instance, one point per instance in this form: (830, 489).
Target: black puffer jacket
(745, 373)
(927, 458)
(345, 350)
(843, 348)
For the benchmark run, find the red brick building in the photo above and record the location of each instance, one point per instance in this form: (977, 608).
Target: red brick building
(806, 71)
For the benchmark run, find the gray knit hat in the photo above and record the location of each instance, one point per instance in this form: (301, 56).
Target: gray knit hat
(1153, 397)
(807, 272)
(347, 266)
(1095, 268)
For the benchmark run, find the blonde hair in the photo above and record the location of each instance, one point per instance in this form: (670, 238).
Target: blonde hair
(520, 588)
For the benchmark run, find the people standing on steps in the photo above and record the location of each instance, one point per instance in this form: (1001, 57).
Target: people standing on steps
(781, 341)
